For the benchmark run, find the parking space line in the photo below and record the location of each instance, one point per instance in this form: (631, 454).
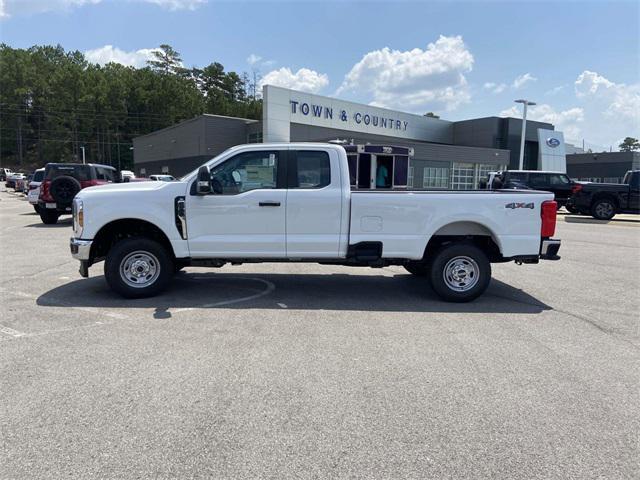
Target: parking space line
(270, 288)
(11, 331)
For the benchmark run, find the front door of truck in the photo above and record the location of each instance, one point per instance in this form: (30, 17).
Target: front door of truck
(244, 216)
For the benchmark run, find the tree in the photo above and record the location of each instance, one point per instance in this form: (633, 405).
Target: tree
(629, 144)
(167, 60)
(54, 101)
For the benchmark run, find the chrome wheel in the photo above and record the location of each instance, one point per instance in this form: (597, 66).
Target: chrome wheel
(604, 209)
(139, 269)
(461, 273)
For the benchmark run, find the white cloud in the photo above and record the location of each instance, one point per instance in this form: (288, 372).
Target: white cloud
(253, 59)
(304, 79)
(30, 7)
(495, 87)
(617, 100)
(256, 60)
(177, 4)
(521, 80)
(415, 79)
(555, 90)
(568, 121)
(109, 53)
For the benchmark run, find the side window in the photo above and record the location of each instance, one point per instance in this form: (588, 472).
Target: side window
(246, 171)
(538, 180)
(313, 169)
(559, 180)
(104, 174)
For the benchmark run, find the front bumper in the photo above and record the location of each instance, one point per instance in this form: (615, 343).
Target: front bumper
(549, 249)
(80, 249)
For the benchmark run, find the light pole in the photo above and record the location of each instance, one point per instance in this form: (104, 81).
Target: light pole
(526, 103)
(82, 148)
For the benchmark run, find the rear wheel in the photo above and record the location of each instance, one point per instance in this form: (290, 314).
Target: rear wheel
(460, 272)
(603, 209)
(48, 217)
(571, 209)
(36, 208)
(138, 267)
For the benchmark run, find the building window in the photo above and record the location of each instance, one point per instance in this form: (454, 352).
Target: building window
(435, 177)
(254, 137)
(482, 172)
(462, 176)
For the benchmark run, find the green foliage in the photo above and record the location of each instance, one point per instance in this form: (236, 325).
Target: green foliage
(629, 144)
(53, 101)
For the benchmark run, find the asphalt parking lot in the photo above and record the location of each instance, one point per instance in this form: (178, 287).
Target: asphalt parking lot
(307, 371)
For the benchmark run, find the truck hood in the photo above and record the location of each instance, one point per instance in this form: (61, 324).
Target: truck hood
(117, 189)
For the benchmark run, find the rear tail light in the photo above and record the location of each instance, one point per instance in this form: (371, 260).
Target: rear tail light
(576, 188)
(548, 213)
(90, 183)
(45, 195)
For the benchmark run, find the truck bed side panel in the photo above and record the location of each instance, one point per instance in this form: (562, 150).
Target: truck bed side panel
(405, 221)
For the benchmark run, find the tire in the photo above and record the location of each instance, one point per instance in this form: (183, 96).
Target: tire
(178, 265)
(64, 188)
(152, 261)
(419, 269)
(36, 208)
(48, 217)
(461, 264)
(603, 209)
(573, 210)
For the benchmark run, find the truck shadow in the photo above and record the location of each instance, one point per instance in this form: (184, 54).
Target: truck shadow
(336, 292)
(62, 223)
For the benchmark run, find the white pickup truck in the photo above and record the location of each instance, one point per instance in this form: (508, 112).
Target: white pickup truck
(294, 203)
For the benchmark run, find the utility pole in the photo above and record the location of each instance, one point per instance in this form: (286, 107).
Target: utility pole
(526, 103)
(83, 159)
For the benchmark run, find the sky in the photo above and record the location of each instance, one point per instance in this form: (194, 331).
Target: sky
(578, 60)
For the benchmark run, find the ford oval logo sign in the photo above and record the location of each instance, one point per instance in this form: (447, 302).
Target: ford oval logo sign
(553, 142)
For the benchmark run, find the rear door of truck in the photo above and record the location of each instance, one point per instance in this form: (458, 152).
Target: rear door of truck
(316, 212)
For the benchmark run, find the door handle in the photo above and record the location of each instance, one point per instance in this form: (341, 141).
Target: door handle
(269, 204)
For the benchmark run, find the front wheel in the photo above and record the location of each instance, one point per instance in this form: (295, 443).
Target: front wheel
(603, 209)
(460, 272)
(138, 267)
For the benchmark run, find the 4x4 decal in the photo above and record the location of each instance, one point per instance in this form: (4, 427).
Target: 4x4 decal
(514, 205)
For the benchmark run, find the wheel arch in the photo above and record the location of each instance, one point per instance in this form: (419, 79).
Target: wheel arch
(466, 231)
(116, 230)
(606, 196)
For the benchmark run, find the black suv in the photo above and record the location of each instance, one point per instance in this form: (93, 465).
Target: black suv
(62, 181)
(557, 183)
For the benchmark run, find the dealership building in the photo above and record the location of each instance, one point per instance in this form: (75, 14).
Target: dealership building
(421, 151)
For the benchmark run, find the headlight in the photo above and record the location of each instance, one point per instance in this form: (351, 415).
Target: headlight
(78, 216)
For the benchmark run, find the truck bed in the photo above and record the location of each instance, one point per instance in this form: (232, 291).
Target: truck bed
(402, 219)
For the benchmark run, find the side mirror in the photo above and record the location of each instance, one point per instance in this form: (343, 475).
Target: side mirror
(203, 182)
